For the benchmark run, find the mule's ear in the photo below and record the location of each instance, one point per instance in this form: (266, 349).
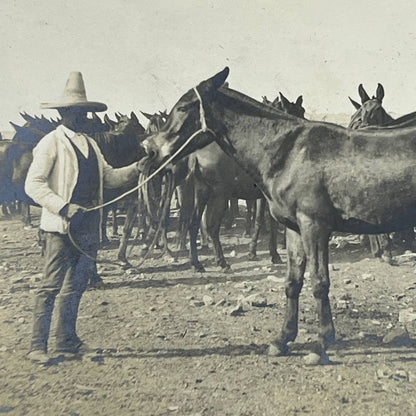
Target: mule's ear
(147, 115)
(364, 96)
(213, 83)
(284, 100)
(355, 104)
(299, 101)
(380, 92)
(133, 117)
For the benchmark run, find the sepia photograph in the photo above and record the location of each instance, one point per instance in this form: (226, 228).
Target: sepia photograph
(207, 208)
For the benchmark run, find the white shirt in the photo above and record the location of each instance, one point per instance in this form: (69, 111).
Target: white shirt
(78, 139)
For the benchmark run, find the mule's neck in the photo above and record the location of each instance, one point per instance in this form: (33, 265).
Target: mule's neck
(256, 139)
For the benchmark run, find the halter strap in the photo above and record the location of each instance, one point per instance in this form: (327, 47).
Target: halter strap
(201, 111)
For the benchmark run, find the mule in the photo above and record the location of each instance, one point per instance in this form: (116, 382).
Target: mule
(371, 114)
(216, 178)
(317, 178)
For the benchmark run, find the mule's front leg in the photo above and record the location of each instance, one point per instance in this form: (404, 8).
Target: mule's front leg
(296, 262)
(315, 237)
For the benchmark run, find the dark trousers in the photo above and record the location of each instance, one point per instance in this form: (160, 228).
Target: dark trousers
(66, 273)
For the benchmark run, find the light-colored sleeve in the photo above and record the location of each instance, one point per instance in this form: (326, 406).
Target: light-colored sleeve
(117, 177)
(36, 185)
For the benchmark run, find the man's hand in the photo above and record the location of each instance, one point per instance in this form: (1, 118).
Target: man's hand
(69, 210)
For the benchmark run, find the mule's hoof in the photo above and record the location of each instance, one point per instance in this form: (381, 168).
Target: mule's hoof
(252, 257)
(276, 351)
(277, 260)
(125, 265)
(198, 268)
(28, 227)
(226, 268)
(389, 260)
(315, 359)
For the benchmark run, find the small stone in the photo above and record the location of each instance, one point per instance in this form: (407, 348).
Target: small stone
(342, 304)
(241, 285)
(207, 300)
(209, 286)
(235, 310)
(233, 253)
(21, 320)
(398, 337)
(256, 300)
(383, 373)
(347, 281)
(221, 302)
(197, 303)
(276, 279)
(407, 315)
(361, 335)
(400, 375)
(3, 349)
(316, 359)
(367, 276)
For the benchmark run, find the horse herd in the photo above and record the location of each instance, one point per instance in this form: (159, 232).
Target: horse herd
(316, 178)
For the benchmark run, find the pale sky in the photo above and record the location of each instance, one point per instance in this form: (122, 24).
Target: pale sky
(144, 54)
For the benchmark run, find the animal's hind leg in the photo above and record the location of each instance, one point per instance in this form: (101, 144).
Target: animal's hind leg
(296, 261)
(315, 238)
(27, 220)
(276, 259)
(259, 220)
(131, 216)
(115, 221)
(216, 208)
(201, 198)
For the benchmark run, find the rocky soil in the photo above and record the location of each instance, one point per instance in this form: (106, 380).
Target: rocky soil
(164, 340)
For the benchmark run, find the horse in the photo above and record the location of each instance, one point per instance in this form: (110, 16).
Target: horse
(372, 114)
(317, 178)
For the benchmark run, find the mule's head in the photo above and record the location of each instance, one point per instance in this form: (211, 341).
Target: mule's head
(295, 109)
(156, 121)
(187, 119)
(126, 125)
(370, 112)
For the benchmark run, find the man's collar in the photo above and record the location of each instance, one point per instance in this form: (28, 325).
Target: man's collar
(66, 131)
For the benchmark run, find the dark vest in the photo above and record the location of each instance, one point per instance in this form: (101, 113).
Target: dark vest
(86, 192)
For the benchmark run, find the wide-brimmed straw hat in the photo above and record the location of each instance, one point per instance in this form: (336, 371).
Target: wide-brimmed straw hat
(74, 95)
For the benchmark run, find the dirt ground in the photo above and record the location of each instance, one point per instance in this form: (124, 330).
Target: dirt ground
(165, 340)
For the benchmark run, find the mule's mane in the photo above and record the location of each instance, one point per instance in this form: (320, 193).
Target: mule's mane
(253, 106)
(404, 119)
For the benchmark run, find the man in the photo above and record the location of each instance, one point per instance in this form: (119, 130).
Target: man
(66, 178)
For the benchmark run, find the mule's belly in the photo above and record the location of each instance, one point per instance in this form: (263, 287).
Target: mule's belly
(379, 194)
